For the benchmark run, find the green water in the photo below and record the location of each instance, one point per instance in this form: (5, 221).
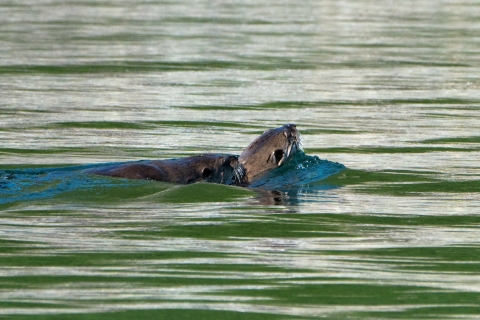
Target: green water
(389, 89)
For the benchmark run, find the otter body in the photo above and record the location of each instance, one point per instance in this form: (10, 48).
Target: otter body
(216, 168)
(271, 150)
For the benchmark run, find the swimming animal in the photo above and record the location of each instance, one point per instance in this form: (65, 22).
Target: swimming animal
(210, 167)
(272, 149)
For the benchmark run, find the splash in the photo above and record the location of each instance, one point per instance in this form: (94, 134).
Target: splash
(302, 171)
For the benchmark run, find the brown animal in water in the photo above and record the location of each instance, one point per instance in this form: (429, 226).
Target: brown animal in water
(269, 151)
(210, 167)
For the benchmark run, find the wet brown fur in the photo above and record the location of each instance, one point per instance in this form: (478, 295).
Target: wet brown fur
(269, 151)
(217, 168)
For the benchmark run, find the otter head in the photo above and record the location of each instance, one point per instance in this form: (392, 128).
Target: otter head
(269, 151)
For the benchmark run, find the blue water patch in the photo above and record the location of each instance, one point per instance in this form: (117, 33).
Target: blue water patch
(19, 185)
(74, 184)
(303, 171)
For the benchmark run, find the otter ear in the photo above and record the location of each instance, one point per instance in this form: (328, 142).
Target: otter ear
(207, 173)
(278, 154)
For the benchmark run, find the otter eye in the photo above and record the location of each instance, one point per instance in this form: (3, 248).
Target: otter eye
(278, 154)
(207, 173)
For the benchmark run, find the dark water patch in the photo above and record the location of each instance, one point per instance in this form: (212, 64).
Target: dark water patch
(415, 189)
(275, 105)
(380, 221)
(111, 277)
(79, 151)
(114, 67)
(447, 116)
(411, 101)
(101, 125)
(60, 150)
(471, 139)
(278, 227)
(437, 308)
(232, 267)
(227, 21)
(445, 103)
(283, 105)
(352, 176)
(442, 101)
(198, 124)
(458, 102)
(329, 131)
(260, 106)
(86, 259)
(160, 276)
(266, 63)
(9, 168)
(202, 192)
(410, 63)
(384, 45)
(463, 260)
(357, 294)
(215, 83)
(359, 177)
(24, 110)
(390, 150)
(401, 183)
(11, 247)
(104, 191)
(119, 37)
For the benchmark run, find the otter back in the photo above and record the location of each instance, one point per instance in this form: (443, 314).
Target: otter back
(216, 168)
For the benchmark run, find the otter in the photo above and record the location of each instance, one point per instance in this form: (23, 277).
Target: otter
(271, 150)
(216, 168)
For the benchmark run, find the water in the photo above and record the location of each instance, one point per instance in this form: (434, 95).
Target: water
(390, 90)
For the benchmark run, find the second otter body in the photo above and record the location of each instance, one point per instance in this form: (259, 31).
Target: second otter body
(216, 168)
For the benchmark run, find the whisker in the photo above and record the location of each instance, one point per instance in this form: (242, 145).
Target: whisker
(239, 173)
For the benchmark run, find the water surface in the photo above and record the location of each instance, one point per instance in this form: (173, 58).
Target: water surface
(390, 90)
